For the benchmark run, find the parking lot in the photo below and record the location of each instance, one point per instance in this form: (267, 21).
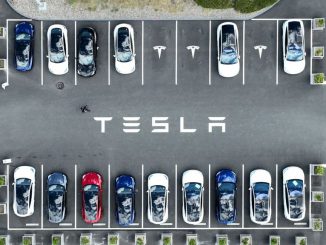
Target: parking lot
(272, 120)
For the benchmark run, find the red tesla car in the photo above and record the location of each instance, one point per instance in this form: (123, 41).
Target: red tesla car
(92, 197)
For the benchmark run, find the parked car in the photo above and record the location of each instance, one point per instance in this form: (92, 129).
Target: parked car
(24, 191)
(294, 193)
(228, 49)
(294, 53)
(24, 45)
(58, 49)
(87, 52)
(260, 196)
(124, 49)
(57, 189)
(125, 199)
(92, 197)
(158, 189)
(226, 189)
(192, 197)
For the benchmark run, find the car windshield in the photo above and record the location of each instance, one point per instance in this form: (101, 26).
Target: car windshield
(226, 201)
(158, 202)
(193, 201)
(91, 196)
(295, 196)
(295, 50)
(22, 49)
(56, 205)
(86, 52)
(23, 188)
(229, 53)
(125, 205)
(261, 195)
(57, 49)
(124, 52)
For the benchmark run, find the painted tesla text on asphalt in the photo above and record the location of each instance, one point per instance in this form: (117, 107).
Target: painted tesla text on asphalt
(159, 50)
(161, 124)
(193, 49)
(260, 49)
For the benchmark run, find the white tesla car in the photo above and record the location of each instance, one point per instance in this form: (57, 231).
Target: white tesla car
(193, 197)
(228, 49)
(158, 189)
(58, 49)
(260, 196)
(293, 46)
(124, 49)
(24, 191)
(294, 193)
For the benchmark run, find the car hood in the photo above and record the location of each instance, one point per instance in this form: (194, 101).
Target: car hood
(59, 68)
(194, 176)
(125, 181)
(229, 70)
(294, 67)
(125, 67)
(24, 172)
(226, 175)
(260, 175)
(292, 173)
(92, 178)
(57, 179)
(158, 179)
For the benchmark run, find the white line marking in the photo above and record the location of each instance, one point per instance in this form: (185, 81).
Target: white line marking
(134, 224)
(268, 19)
(311, 44)
(267, 224)
(277, 40)
(19, 20)
(42, 188)
(302, 223)
(243, 52)
(99, 224)
(166, 224)
(176, 196)
(8, 200)
(142, 195)
(210, 54)
(109, 196)
(209, 195)
(32, 224)
(7, 46)
(276, 197)
(310, 223)
(142, 53)
(75, 195)
(176, 52)
(109, 53)
(65, 224)
(233, 224)
(242, 203)
(75, 53)
(42, 66)
(201, 224)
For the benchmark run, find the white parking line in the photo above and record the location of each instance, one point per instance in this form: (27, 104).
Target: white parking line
(209, 196)
(242, 203)
(277, 30)
(20, 20)
(32, 224)
(243, 52)
(42, 75)
(142, 53)
(210, 54)
(311, 44)
(109, 54)
(7, 47)
(233, 224)
(65, 224)
(201, 224)
(176, 52)
(166, 224)
(300, 223)
(99, 224)
(109, 196)
(276, 197)
(269, 19)
(75, 53)
(8, 200)
(134, 224)
(267, 224)
(310, 223)
(42, 196)
(176, 197)
(142, 196)
(75, 195)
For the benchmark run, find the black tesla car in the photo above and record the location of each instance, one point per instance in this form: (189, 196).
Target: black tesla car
(87, 51)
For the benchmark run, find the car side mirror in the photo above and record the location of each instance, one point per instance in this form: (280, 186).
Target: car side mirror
(134, 55)
(13, 183)
(97, 48)
(249, 189)
(47, 56)
(114, 55)
(272, 188)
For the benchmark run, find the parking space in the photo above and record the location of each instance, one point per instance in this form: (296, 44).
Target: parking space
(216, 79)
(159, 53)
(35, 220)
(30, 78)
(192, 53)
(261, 54)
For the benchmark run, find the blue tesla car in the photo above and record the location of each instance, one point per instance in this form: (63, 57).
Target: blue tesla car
(57, 188)
(226, 188)
(125, 199)
(24, 35)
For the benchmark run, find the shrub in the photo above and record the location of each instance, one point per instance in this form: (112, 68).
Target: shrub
(215, 4)
(248, 6)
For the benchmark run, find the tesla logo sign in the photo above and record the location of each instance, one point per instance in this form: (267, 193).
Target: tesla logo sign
(161, 124)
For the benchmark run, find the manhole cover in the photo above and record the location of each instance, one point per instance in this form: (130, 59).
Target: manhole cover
(60, 85)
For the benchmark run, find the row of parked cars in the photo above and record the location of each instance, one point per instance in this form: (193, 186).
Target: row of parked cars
(228, 53)
(158, 191)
